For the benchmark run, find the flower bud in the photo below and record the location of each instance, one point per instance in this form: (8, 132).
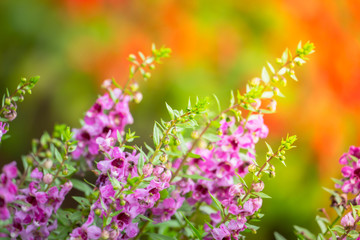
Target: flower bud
(195, 134)
(258, 187)
(98, 211)
(275, 78)
(256, 104)
(48, 178)
(147, 169)
(166, 176)
(235, 189)
(167, 147)
(163, 158)
(48, 164)
(147, 75)
(134, 87)
(158, 170)
(174, 131)
(138, 97)
(272, 105)
(252, 168)
(122, 202)
(272, 174)
(7, 101)
(292, 65)
(255, 81)
(107, 83)
(105, 234)
(166, 140)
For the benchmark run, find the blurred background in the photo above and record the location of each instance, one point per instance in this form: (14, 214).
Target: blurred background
(217, 46)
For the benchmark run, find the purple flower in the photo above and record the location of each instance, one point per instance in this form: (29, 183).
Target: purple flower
(36, 174)
(86, 231)
(221, 233)
(3, 129)
(348, 220)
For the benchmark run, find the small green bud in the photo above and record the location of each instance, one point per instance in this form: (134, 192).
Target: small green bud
(255, 81)
(278, 61)
(132, 57)
(252, 168)
(98, 211)
(29, 91)
(121, 196)
(219, 132)
(177, 142)
(48, 154)
(283, 82)
(152, 66)
(21, 98)
(29, 160)
(23, 80)
(65, 172)
(268, 155)
(275, 78)
(282, 152)
(174, 131)
(167, 124)
(292, 72)
(122, 202)
(163, 158)
(210, 146)
(195, 134)
(8, 101)
(166, 140)
(253, 231)
(272, 174)
(147, 75)
(282, 158)
(134, 87)
(292, 65)
(167, 147)
(272, 168)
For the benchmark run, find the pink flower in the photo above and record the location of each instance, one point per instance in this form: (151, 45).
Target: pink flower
(221, 233)
(348, 220)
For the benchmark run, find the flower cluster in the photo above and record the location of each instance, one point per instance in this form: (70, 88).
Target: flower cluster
(9, 104)
(33, 213)
(118, 177)
(232, 154)
(8, 189)
(109, 115)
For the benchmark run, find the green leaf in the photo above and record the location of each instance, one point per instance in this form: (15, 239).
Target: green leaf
(267, 94)
(197, 233)
(321, 222)
(339, 229)
(144, 218)
(284, 56)
(193, 155)
(271, 68)
(195, 177)
(156, 135)
(265, 75)
(218, 204)
(278, 236)
(232, 99)
(305, 232)
(269, 148)
(155, 236)
(82, 186)
(217, 102)
(115, 213)
(211, 137)
(83, 201)
(337, 181)
(57, 155)
(170, 110)
(261, 194)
